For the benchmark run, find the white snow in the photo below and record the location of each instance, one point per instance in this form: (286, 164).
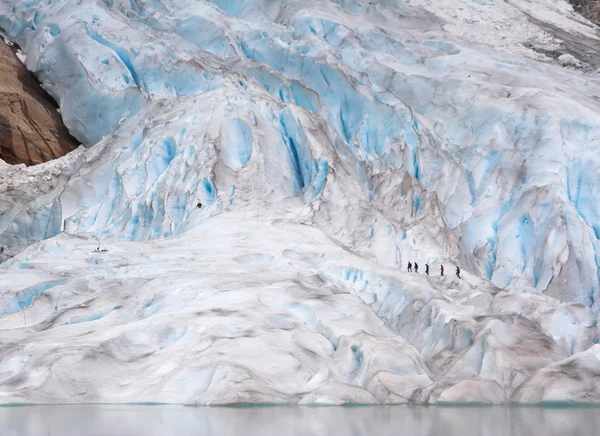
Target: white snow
(506, 24)
(569, 60)
(328, 143)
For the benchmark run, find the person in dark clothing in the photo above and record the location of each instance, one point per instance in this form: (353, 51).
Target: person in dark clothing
(442, 270)
(427, 269)
(416, 267)
(409, 267)
(199, 206)
(458, 272)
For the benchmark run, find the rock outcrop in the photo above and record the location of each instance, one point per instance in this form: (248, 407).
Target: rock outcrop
(588, 8)
(31, 130)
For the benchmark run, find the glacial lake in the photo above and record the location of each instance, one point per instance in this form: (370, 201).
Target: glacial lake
(141, 420)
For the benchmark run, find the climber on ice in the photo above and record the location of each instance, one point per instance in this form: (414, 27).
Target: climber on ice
(442, 270)
(409, 267)
(427, 269)
(458, 272)
(416, 267)
(199, 206)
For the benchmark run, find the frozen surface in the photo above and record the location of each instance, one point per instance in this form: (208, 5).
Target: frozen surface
(328, 143)
(574, 379)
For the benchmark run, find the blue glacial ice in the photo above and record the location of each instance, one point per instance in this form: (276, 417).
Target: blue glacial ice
(379, 135)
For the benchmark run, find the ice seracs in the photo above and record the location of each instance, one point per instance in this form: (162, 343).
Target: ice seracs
(573, 380)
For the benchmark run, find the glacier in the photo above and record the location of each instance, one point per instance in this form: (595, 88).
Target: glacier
(260, 173)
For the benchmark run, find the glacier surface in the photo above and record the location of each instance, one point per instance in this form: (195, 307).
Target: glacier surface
(261, 172)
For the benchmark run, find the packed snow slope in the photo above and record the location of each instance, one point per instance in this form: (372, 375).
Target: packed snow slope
(328, 143)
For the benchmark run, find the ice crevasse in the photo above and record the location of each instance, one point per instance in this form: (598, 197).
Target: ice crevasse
(328, 143)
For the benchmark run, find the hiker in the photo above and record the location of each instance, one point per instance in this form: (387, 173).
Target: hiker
(199, 206)
(442, 270)
(458, 272)
(427, 269)
(416, 267)
(409, 266)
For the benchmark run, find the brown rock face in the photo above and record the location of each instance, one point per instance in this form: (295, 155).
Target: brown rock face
(31, 130)
(588, 8)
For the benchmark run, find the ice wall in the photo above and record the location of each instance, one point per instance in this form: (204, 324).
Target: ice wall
(512, 163)
(372, 123)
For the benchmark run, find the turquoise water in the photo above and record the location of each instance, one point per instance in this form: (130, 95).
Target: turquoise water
(136, 420)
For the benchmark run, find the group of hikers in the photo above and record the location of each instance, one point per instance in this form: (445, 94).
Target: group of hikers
(416, 266)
